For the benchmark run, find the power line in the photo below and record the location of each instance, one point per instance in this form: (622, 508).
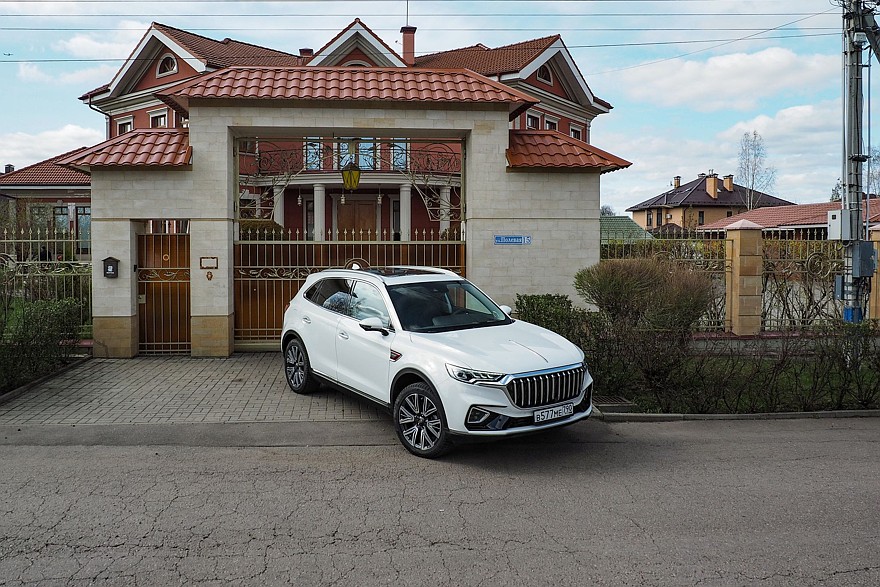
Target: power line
(453, 29)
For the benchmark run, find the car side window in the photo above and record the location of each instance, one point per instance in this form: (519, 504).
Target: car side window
(367, 302)
(333, 294)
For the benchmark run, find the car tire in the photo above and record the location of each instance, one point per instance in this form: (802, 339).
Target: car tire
(297, 369)
(420, 421)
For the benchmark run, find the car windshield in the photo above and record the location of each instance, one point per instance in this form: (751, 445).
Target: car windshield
(443, 306)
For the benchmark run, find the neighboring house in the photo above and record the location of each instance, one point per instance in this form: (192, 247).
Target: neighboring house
(621, 229)
(48, 197)
(476, 159)
(800, 221)
(702, 201)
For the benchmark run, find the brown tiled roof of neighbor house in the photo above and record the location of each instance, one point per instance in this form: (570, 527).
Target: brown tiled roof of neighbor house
(552, 149)
(347, 84)
(487, 61)
(694, 194)
(154, 147)
(48, 173)
(795, 215)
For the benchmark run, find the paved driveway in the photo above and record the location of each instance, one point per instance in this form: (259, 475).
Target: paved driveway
(246, 387)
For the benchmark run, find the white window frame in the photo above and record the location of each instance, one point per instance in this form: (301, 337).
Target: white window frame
(120, 122)
(537, 118)
(550, 120)
(547, 80)
(153, 114)
(574, 128)
(161, 61)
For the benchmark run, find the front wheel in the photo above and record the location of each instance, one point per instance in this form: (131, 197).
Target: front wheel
(297, 369)
(420, 422)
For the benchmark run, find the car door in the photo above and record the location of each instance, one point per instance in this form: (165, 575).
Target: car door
(364, 358)
(319, 323)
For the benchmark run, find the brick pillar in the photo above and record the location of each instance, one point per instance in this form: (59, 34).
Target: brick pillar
(745, 290)
(874, 299)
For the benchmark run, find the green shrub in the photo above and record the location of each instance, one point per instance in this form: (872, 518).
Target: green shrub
(554, 312)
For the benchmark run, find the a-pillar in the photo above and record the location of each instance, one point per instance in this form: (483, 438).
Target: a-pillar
(745, 290)
(874, 299)
(320, 211)
(405, 211)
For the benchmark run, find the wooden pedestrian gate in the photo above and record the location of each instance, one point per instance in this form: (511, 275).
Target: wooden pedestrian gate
(163, 276)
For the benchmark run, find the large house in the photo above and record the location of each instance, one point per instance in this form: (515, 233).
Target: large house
(231, 171)
(704, 200)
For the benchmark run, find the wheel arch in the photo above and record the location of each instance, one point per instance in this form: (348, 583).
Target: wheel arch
(407, 377)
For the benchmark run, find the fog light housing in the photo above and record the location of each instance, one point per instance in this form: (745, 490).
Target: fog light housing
(477, 415)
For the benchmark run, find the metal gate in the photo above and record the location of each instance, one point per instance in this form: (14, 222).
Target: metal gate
(163, 276)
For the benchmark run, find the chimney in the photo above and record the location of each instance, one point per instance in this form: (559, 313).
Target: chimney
(409, 45)
(676, 181)
(728, 183)
(306, 52)
(712, 185)
(9, 168)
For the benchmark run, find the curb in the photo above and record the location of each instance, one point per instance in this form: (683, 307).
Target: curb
(612, 417)
(9, 395)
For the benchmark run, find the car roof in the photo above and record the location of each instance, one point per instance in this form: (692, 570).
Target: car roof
(392, 275)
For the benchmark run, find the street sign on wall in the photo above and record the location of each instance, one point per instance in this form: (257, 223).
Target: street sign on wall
(513, 239)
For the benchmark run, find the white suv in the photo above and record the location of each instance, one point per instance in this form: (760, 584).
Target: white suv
(433, 348)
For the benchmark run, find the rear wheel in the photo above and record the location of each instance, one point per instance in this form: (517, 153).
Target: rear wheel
(420, 422)
(297, 369)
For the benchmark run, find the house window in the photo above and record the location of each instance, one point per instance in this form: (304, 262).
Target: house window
(167, 66)
(310, 219)
(159, 119)
(533, 121)
(398, 155)
(649, 222)
(550, 123)
(544, 74)
(366, 150)
(61, 218)
(729, 213)
(701, 218)
(346, 152)
(83, 228)
(124, 125)
(312, 153)
(576, 132)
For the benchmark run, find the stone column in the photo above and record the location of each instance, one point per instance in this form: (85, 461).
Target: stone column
(405, 212)
(114, 301)
(874, 299)
(320, 211)
(745, 290)
(278, 205)
(444, 208)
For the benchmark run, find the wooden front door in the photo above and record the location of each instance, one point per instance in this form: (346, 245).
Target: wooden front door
(356, 220)
(163, 294)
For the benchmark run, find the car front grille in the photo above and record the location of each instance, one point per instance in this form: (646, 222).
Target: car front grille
(546, 388)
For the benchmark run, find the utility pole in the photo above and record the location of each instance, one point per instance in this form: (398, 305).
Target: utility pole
(860, 31)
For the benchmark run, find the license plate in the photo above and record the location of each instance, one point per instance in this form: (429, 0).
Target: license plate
(554, 413)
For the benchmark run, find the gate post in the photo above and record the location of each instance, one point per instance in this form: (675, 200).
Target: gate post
(874, 299)
(743, 303)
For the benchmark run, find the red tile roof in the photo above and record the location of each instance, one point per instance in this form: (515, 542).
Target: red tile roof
(793, 216)
(356, 21)
(694, 193)
(550, 148)
(227, 52)
(155, 147)
(487, 61)
(47, 173)
(347, 84)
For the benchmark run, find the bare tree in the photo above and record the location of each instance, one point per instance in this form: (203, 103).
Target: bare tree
(754, 173)
(606, 210)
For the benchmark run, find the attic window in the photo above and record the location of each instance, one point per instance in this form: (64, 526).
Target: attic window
(544, 75)
(355, 63)
(167, 66)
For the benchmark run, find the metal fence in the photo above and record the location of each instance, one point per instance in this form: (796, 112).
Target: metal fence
(270, 267)
(798, 280)
(46, 265)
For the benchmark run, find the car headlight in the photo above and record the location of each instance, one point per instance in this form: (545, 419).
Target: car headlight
(471, 376)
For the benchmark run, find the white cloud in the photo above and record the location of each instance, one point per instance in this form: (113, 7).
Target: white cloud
(22, 149)
(735, 81)
(29, 72)
(116, 44)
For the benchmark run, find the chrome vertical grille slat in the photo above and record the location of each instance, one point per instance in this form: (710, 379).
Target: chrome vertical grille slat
(531, 391)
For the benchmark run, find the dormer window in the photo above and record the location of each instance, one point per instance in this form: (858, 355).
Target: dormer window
(544, 75)
(124, 125)
(167, 66)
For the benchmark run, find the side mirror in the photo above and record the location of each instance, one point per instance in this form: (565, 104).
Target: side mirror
(506, 309)
(373, 324)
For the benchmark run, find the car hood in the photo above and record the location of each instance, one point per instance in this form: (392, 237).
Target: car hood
(519, 347)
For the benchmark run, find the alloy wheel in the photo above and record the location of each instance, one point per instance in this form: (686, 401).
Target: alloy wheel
(419, 421)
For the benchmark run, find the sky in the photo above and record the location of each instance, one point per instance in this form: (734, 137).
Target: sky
(687, 78)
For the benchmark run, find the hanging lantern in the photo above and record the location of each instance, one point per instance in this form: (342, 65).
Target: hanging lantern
(351, 176)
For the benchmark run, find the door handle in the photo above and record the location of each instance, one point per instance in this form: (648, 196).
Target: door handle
(307, 320)
(343, 335)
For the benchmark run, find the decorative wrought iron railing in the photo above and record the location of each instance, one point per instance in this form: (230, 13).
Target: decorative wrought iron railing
(690, 249)
(798, 279)
(45, 265)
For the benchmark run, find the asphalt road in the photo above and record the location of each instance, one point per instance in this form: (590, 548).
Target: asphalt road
(679, 503)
